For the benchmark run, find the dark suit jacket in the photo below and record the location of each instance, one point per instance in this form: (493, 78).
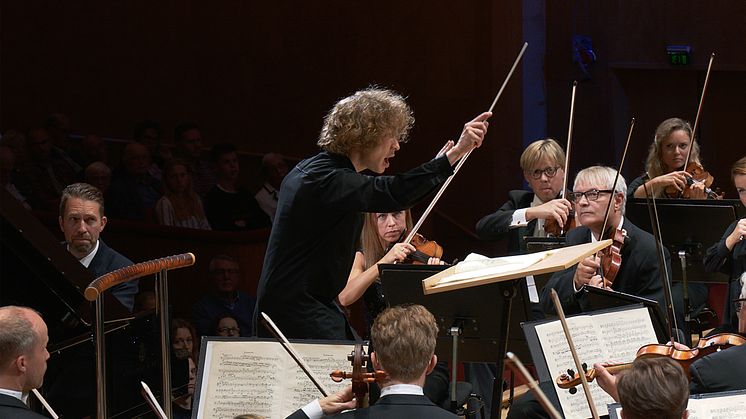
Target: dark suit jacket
(496, 225)
(721, 371)
(732, 263)
(639, 274)
(12, 408)
(394, 406)
(108, 260)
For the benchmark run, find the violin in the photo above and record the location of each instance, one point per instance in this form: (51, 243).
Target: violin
(697, 174)
(553, 229)
(684, 357)
(611, 257)
(425, 249)
(359, 375)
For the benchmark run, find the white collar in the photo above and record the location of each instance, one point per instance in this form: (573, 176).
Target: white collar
(402, 389)
(23, 397)
(86, 260)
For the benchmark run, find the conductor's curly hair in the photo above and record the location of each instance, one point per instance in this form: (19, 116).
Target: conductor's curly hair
(361, 121)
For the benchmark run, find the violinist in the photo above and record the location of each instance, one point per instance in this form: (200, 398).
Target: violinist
(729, 254)
(319, 213)
(664, 165)
(639, 272)
(405, 338)
(525, 212)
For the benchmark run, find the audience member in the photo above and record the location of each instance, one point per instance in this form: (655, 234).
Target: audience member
(189, 147)
(182, 406)
(228, 205)
(227, 326)
(58, 127)
(225, 299)
(8, 174)
(133, 192)
(145, 301)
(98, 174)
(654, 388)
(274, 169)
(150, 134)
(48, 170)
(180, 206)
(183, 339)
(90, 149)
(404, 338)
(15, 139)
(23, 359)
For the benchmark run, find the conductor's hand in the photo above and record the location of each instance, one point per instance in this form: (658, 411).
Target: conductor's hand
(335, 403)
(585, 273)
(606, 381)
(471, 137)
(398, 253)
(558, 209)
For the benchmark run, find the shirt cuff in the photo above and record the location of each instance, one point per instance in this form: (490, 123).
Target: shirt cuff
(519, 218)
(313, 410)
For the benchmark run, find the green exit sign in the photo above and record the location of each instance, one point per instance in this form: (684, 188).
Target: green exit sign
(679, 54)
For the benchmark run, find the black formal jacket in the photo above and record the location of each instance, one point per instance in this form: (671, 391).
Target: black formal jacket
(315, 234)
(12, 408)
(496, 226)
(394, 406)
(108, 260)
(720, 371)
(732, 263)
(638, 275)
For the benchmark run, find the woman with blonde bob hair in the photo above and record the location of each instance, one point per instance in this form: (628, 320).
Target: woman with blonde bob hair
(322, 200)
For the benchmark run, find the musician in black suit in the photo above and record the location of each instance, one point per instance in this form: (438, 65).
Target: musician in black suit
(639, 273)
(525, 212)
(723, 370)
(82, 220)
(23, 359)
(404, 338)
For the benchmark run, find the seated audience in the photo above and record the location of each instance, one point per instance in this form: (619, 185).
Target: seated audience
(133, 192)
(227, 326)
(182, 406)
(404, 338)
(225, 299)
(8, 175)
(98, 174)
(180, 206)
(189, 146)
(145, 301)
(150, 134)
(274, 169)
(229, 206)
(183, 339)
(48, 170)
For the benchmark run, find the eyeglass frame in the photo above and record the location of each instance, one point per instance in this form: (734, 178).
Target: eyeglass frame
(572, 196)
(738, 302)
(536, 174)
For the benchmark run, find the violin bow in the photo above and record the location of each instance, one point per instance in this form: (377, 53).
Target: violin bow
(44, 402)
(613, 186)
(289, 349)
(569, 142)
(575, 358)
(466, 156)
(699, 110)
(671, 322)
(517, 366)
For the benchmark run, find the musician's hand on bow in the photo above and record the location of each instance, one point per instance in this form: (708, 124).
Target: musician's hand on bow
(398, 253)
(675, 179)
(558, 209)
(471, 137)
(737, 235)
(606, 381)
(336, 403)
(586, 273)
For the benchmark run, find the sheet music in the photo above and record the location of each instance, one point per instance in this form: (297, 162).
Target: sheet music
(719, 407)
(614, 336)
(259, 377)
(478, 265)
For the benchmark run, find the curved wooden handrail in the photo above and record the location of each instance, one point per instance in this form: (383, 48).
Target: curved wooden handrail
(128, 273)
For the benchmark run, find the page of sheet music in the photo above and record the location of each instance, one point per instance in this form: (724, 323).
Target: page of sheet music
(260, 377)
(723, 407)
(614, 336)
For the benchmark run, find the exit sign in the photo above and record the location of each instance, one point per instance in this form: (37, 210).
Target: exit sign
(679, 54)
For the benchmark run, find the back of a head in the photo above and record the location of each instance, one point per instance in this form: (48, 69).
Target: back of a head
(404, 339)
(653, 388)
(17, 335)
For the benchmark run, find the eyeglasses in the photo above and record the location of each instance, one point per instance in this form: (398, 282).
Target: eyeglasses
(228, 329)
(549, 171)
(739, 304)
(591, 195)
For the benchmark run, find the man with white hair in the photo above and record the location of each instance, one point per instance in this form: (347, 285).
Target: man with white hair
(639, 273)
(23, 359)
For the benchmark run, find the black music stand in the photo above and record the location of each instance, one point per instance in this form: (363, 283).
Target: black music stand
(688, 226)
(539, 244)
(483, 316)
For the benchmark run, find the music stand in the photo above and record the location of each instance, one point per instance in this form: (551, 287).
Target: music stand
(537, 244)
(704, 221)
(471, 317)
